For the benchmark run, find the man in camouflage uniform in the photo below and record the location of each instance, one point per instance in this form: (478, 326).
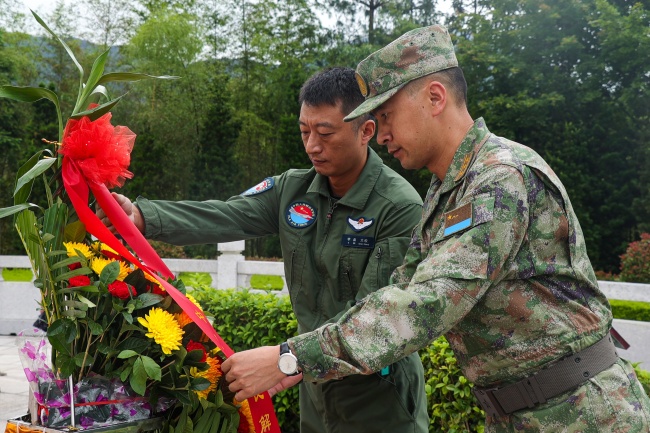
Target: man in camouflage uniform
(497, 264)
(344, 226)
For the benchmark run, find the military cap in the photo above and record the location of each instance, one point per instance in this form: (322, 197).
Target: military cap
(413, 55)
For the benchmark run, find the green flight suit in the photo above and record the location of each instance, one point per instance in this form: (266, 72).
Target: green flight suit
(336, 251)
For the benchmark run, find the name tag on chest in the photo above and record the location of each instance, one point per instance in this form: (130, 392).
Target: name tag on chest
(357, 241)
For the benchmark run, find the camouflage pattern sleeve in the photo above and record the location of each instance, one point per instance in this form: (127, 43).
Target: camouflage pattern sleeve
(446, 285)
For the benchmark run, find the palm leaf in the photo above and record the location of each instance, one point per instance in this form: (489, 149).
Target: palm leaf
(132, 76)
(95, 74)
(33, 94)
(38, 169)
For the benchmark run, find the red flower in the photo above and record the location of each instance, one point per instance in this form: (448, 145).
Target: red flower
(121, 290)
(79, 281)
(74, 266)
(193, 345)
(101, 150)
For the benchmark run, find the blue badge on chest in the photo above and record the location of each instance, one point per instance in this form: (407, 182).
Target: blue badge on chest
(300, 214)
(358, 241)
(264, 185)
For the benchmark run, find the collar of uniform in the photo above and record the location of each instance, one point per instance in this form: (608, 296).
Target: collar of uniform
(465, 154)
(358, 195)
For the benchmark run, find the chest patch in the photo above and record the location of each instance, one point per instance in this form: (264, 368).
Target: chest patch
(357, 241)
(360, 224)
(300, 214)
(458, 219)
(264, 185)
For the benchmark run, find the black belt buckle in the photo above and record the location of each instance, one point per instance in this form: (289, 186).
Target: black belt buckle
(488, 402)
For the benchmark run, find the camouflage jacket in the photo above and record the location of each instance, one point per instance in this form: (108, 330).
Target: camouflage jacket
(497, 264)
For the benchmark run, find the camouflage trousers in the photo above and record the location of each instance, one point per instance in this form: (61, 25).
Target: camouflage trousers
(611, 402)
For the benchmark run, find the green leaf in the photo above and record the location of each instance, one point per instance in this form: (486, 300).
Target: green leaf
(138, 379)
(95, 328)
(127, 354)
(199, 384)
(86, 301)
(151, 367)
(125, 373)
(148, 299)
(66, 262)
(23, 194)
(40, 167)
(74, 232)
(109, 273)
(132, 76)
(99, 111)
(94, 76)
(83, 289)
(6, 211)
(79, 359)
(33, 94)
(74, 273)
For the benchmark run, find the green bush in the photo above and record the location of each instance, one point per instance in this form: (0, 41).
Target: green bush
(644, 377)
(246, 320)
(18, 274)
(630, 310)
(635, 263)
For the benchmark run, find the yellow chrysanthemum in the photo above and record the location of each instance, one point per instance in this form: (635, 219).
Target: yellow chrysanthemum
(193, 301)
(163, 329)
(71, 247)
(99, 247)
(98, 264)
(213, 374)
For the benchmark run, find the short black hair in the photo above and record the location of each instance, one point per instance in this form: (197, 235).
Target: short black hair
(331, 86)
(452, 78)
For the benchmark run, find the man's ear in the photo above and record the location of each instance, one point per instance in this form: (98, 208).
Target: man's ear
(367, 129)
(437, 96)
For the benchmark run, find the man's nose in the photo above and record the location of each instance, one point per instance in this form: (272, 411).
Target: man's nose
(383, 135)
(313, 145)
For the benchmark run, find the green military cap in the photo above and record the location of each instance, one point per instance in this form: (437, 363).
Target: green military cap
(413, 55)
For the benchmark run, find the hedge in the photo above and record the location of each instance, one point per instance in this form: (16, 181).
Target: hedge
(248, 319)
(630, 310)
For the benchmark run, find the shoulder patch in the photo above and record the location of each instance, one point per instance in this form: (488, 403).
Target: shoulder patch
(300, 214)
(264, 185)
(360, 223)
(458, 219)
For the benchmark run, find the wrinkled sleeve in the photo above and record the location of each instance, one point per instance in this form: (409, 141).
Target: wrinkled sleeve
(401, 318)
(211, 221)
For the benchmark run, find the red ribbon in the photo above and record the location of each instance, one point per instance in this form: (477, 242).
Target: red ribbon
(77, 187)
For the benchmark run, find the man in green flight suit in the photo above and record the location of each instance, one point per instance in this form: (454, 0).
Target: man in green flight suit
(497, 264)
(344, 226)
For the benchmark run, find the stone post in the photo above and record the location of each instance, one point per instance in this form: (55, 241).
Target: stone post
(231, 254)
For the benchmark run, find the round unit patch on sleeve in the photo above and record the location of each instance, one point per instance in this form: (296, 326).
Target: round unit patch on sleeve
(264, 185)
(300, 214)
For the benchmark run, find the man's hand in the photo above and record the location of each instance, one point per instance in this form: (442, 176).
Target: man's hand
(285, 383)
(129, 209)
(252, 372)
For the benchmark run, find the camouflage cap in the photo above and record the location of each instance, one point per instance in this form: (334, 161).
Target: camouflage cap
(413, 55)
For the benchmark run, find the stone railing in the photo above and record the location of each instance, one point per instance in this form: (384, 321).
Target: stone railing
(19, 300)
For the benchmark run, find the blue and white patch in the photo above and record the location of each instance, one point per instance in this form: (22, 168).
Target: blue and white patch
(300, 214)
(458, 219)
(358, 241)
(264, 185)
(360, 223)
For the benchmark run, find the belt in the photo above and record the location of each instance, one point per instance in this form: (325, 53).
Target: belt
(564, 375)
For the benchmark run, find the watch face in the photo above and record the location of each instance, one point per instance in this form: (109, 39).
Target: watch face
(287, 364)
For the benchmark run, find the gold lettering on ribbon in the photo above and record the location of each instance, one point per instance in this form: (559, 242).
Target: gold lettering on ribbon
(265, 422)
(258, 397)
(199, 315)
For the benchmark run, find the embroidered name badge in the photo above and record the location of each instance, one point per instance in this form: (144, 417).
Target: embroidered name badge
(360, 224)
(358, 241)
(264, 185)
(458, 219)
(300, 214)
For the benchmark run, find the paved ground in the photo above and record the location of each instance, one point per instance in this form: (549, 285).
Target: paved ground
(14, 388)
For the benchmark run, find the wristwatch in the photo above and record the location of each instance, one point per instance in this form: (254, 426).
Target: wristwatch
(287, 363)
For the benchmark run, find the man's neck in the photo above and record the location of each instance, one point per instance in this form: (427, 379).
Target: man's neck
(450, 139)
(340, 185)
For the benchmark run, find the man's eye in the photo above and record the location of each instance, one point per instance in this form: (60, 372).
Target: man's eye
(325, 134)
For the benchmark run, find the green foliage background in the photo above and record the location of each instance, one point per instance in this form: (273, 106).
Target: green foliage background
(568, 78)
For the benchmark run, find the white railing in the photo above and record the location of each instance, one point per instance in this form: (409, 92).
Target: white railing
(19, 300)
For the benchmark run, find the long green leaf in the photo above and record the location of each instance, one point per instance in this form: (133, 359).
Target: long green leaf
(95, 74)
(67, 48)
(132, 76)
(35, 171)
(6, 211)
(33, 94)
(98, 111)
(25, 191)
